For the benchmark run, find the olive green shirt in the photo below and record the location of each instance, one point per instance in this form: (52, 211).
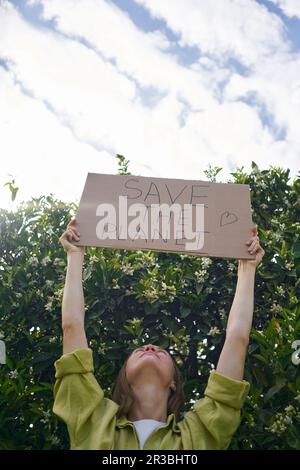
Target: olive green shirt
(92, 423)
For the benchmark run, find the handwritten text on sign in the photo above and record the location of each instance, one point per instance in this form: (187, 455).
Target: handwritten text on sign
(135, 212)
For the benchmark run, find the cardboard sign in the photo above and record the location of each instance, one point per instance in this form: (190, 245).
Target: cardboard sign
(125, 212)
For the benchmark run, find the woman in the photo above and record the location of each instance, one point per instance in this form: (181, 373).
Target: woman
(148, 392)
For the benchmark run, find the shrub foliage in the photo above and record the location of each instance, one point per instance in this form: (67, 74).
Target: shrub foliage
(177, 301)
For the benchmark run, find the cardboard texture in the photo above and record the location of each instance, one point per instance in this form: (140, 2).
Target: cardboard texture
(227, 213)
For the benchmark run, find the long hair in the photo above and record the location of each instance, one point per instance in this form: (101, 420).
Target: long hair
(122, 393)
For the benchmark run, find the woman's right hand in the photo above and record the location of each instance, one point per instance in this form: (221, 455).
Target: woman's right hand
(71, 233)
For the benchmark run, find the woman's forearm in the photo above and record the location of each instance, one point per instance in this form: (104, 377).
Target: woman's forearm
(233, 354)
(73, 300)
(241, 313)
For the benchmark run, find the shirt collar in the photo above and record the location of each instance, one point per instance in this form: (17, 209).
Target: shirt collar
(122, 421)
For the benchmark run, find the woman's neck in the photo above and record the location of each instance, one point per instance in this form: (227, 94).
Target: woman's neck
(150, 403)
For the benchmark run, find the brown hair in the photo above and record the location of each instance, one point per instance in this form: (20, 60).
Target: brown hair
(123, 396)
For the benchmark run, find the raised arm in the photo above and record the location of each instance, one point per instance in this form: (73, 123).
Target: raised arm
(73, 311)
(233, 355)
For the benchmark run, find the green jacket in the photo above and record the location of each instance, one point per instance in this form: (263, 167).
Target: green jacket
(92, 423)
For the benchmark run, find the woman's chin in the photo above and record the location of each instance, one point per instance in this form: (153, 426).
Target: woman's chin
(149, 357)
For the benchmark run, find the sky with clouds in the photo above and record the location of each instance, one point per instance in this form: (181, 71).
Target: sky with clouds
(174, 85)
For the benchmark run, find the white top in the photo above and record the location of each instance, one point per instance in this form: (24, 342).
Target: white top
(144, 427)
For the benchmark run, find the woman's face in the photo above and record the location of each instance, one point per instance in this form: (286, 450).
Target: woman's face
(154, 360)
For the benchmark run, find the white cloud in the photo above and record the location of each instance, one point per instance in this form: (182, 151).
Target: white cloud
(82, 93)
(243, 29)
(39, 152)
(289, 7)
(276, 85)
(112, 33)
(258, 40)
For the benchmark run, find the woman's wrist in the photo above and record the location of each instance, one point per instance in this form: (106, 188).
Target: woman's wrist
(76, 255)
(245, 266)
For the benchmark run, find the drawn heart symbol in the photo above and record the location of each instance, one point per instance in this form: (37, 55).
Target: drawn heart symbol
(227, 218)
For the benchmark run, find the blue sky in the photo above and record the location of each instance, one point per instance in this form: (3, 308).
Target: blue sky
(174, 86)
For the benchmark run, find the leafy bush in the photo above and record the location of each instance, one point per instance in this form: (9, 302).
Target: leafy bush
(174, 300)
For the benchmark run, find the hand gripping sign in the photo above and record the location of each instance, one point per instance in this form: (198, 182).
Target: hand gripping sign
(171, 215)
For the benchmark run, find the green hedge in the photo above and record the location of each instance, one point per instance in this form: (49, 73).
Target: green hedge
(173, 300)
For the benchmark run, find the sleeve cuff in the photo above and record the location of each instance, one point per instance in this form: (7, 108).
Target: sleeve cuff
(79, 361)
(226, 390)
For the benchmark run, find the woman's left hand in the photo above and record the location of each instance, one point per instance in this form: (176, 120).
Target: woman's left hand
(253, 248)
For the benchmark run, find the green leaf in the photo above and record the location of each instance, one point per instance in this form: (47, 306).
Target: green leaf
(185, 311)
(281, 382)
(252, 347)
(261, 358)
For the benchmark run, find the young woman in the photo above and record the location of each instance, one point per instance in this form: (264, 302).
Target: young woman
(148, 392)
